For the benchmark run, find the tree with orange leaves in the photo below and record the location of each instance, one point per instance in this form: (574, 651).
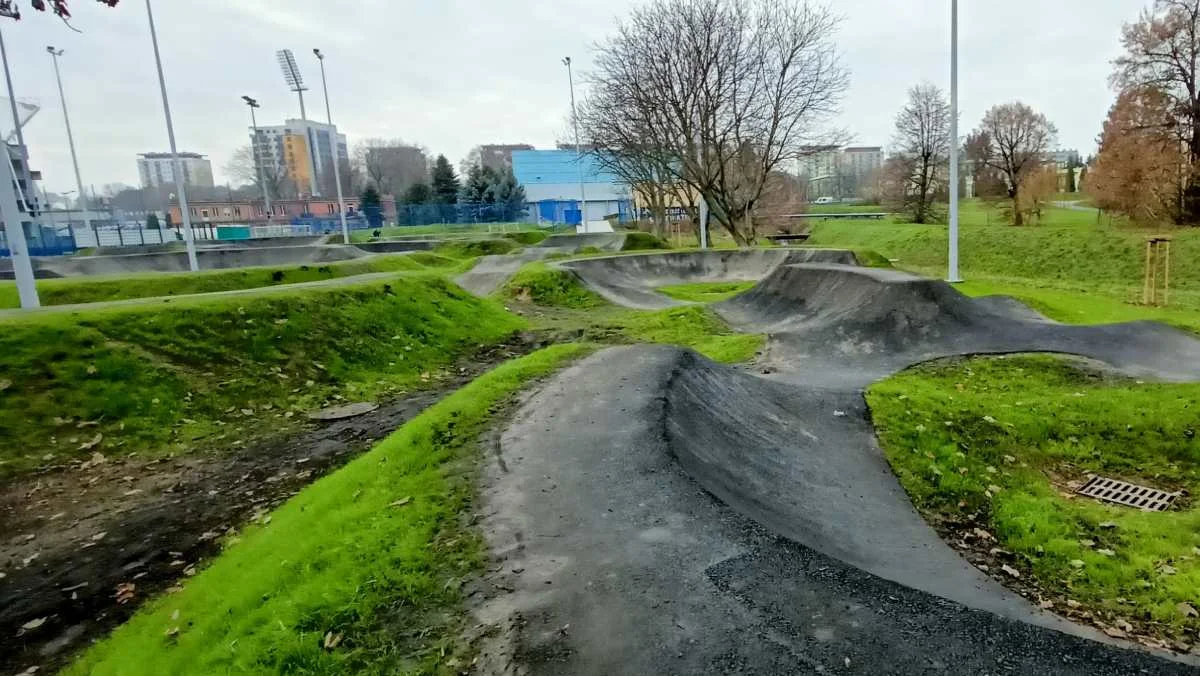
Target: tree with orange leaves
(1142, 168)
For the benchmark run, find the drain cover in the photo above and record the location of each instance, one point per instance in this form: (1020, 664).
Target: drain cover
(1130, 495)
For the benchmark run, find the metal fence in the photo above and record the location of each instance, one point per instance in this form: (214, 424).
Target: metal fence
(463, 212)
(42, 241)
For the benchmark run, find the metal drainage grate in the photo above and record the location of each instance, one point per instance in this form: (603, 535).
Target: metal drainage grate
(1130, 495)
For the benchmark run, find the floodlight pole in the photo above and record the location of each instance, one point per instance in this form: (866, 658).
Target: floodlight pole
(177, 165)
(578, 148)
(952, 271)
(54, 54)
(337, 164)
(18, 246)
(252, 104)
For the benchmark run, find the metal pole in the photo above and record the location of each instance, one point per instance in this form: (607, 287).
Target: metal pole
(55, 53)
(257, 158)
(188, 237)
(18, 247)
(702, 207)
(337, 166)
(578, 149)
(952, 273)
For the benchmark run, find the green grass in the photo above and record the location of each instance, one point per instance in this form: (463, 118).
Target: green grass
(1083, 306)
(374, 554)
(542, 284)
(706, 292)
(995, 440)
(111, 287)
(643, 241)
(479, 247)
(694, 327)
(161, 379)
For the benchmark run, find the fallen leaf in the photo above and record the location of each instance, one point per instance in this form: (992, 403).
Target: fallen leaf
(247, 411)
(1106, 552)
(1114, 632)
(983, 534)
(1187, 610)
(839, 414)
(1167, 570)
(1011, 571)
(91, 370)
(1108, 524)
(175, 615)
(988, 418)
(1072, 603)
(5, 384)
(1087, 543)
(1046, 605)
(1009, 459)
(172, 632)
(33, 624)
(125, 592)
(401, 502)
(332, 640)
(99, 536)
(94, 442)
(1076, 563)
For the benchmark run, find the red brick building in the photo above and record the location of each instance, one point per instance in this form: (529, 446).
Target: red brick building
(253, 212)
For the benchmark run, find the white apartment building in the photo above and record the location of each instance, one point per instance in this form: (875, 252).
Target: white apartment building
(158, 169)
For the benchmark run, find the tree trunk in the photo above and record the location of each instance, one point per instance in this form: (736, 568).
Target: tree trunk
(1018, 217)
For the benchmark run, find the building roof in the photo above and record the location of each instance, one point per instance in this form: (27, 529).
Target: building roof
(558, 167)
(167, 156)
(864, 149)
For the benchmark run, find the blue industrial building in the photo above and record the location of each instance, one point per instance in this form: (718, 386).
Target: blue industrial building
(551, 182)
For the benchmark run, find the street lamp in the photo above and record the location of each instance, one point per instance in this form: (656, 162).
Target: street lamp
(952, 272)
(253, 103)
(189, 240)
(54, 54)
(13, 219)
(333, 143)
(578, 148)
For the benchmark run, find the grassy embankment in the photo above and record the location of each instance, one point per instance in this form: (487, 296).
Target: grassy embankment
(1068, 266)
(146, 285)
(1000, 443)
(561, 306)
(206, 371)
(359, 573)
(442, 229)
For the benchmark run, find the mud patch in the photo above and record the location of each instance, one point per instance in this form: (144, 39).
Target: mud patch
(82, 547)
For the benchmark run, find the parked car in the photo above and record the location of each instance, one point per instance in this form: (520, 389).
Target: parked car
(823, 200)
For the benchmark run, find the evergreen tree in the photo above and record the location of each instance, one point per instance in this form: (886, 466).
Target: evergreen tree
(152, 222)
(418, 193)
(478, 187)
(445, 182)
(507, 194)
(371, 206)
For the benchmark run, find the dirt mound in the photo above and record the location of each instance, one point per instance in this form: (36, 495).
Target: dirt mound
(631, 280)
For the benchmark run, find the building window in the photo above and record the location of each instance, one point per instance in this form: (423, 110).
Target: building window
(204, 213)
(237, 211)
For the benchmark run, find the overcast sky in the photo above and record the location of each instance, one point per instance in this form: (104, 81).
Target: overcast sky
(453, 74)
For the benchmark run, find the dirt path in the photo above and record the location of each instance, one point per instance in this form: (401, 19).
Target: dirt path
(81, 548)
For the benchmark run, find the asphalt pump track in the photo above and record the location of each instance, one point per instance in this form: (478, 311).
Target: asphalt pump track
(655, 512)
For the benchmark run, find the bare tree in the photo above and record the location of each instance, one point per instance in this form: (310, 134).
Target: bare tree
(922, 147)
(721, 93)
(241, 166)
(1019, 139)
(391, 165)
(1162, 52)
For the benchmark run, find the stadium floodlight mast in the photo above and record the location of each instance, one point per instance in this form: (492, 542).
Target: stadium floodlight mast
(578, 148)
(176, 164)
(337, 165)
(18, 246)
(54, 54)
(266, 193)
(295, 82)
(952, 269)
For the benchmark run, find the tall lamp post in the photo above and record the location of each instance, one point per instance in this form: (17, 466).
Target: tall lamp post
(952, 271)
(578, 148)
(337, 164)
(14, 223)
(177, 165)
(266, 193)
(54, 54)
